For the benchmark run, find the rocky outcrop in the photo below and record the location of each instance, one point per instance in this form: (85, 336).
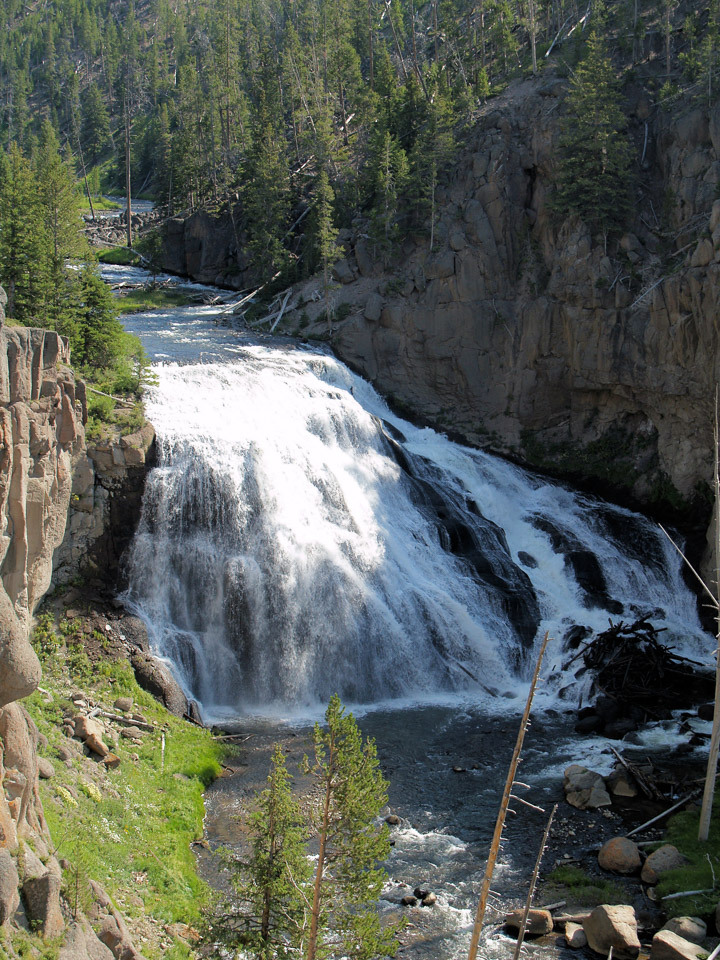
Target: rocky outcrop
(46, 476)
(105, 506)
(532, 337)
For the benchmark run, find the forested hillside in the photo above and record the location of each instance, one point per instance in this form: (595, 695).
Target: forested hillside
(312, 111)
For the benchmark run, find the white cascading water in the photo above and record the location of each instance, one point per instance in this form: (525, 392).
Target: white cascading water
(299, 539)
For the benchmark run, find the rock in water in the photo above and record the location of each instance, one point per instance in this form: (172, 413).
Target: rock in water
(613, 926)
(539, 922)
(689, 928)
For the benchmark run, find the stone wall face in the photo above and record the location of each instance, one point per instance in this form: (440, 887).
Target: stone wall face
(529, 337)
(60, 503)
(41, 436)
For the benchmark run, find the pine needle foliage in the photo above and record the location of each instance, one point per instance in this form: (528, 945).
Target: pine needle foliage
(271, 888)
(344, 920)
(594, 176)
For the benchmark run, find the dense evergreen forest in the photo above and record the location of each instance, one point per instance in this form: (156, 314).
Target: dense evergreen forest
(309, 112)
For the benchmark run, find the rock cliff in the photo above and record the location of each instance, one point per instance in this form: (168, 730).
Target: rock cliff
(596, 361)
(46, 476)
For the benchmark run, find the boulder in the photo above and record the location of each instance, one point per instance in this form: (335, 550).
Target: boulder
(156, 678)
(373, 307)
(620, 855)
(87, 726)
(131, 733)
(667, 945)
(97, 745)
(429, 900)
(124, 704)
(80, 943)
(584, 788)
(409, 901)
(660, 862)
(9, 880)
(689, 928)
(342, 271)
(42, 904)
(46, 770)
(575, 936)
(613, 926)
(539, 922)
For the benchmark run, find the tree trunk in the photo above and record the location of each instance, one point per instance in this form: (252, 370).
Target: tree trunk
(127, 172)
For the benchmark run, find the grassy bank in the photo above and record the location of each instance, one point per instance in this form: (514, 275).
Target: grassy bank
(130, 828)
(137, 301)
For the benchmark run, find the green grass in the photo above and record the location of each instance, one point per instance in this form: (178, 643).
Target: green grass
(129, 828)
(575, 885)
(137, 301)
(120, 256)
(100, 203)
(704, 858)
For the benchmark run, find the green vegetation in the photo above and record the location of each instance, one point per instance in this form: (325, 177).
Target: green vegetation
(348, 880)
(151, 298)
(50, 276)
(129, 828)
(324, 906)
(703, 870)
(578, 887)
(270, 885)
(595, 153)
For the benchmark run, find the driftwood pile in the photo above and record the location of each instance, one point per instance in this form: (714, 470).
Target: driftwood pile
(639, 676)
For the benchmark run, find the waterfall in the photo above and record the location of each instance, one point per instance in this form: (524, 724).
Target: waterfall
(298, 539)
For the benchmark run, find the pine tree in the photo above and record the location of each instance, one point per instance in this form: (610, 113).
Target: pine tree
(95, 127)
(343, 917)
(325, 235)
(20, 235)
(595, 154)
(277, 871)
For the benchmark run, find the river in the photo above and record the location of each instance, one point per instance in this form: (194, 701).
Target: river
(298, 538)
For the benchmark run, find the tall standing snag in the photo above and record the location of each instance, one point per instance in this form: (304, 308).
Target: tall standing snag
(502, 813)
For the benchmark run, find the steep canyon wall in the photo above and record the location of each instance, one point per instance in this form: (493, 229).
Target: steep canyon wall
(60, 504)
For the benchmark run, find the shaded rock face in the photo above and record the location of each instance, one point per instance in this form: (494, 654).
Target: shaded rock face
(532, 338)
(104, 510)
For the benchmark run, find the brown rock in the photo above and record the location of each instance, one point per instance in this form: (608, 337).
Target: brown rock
(575, 936)
(660, 861)
(87, 726)
(42, 904)
(97, 745)
(613, 926)
(124, 704)
(667, 945)
(620, 855)
(539, 922)
(111, 761)
(689, 928)
(46, 771)
(131, 733)
(80, 943)
(9, 880)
